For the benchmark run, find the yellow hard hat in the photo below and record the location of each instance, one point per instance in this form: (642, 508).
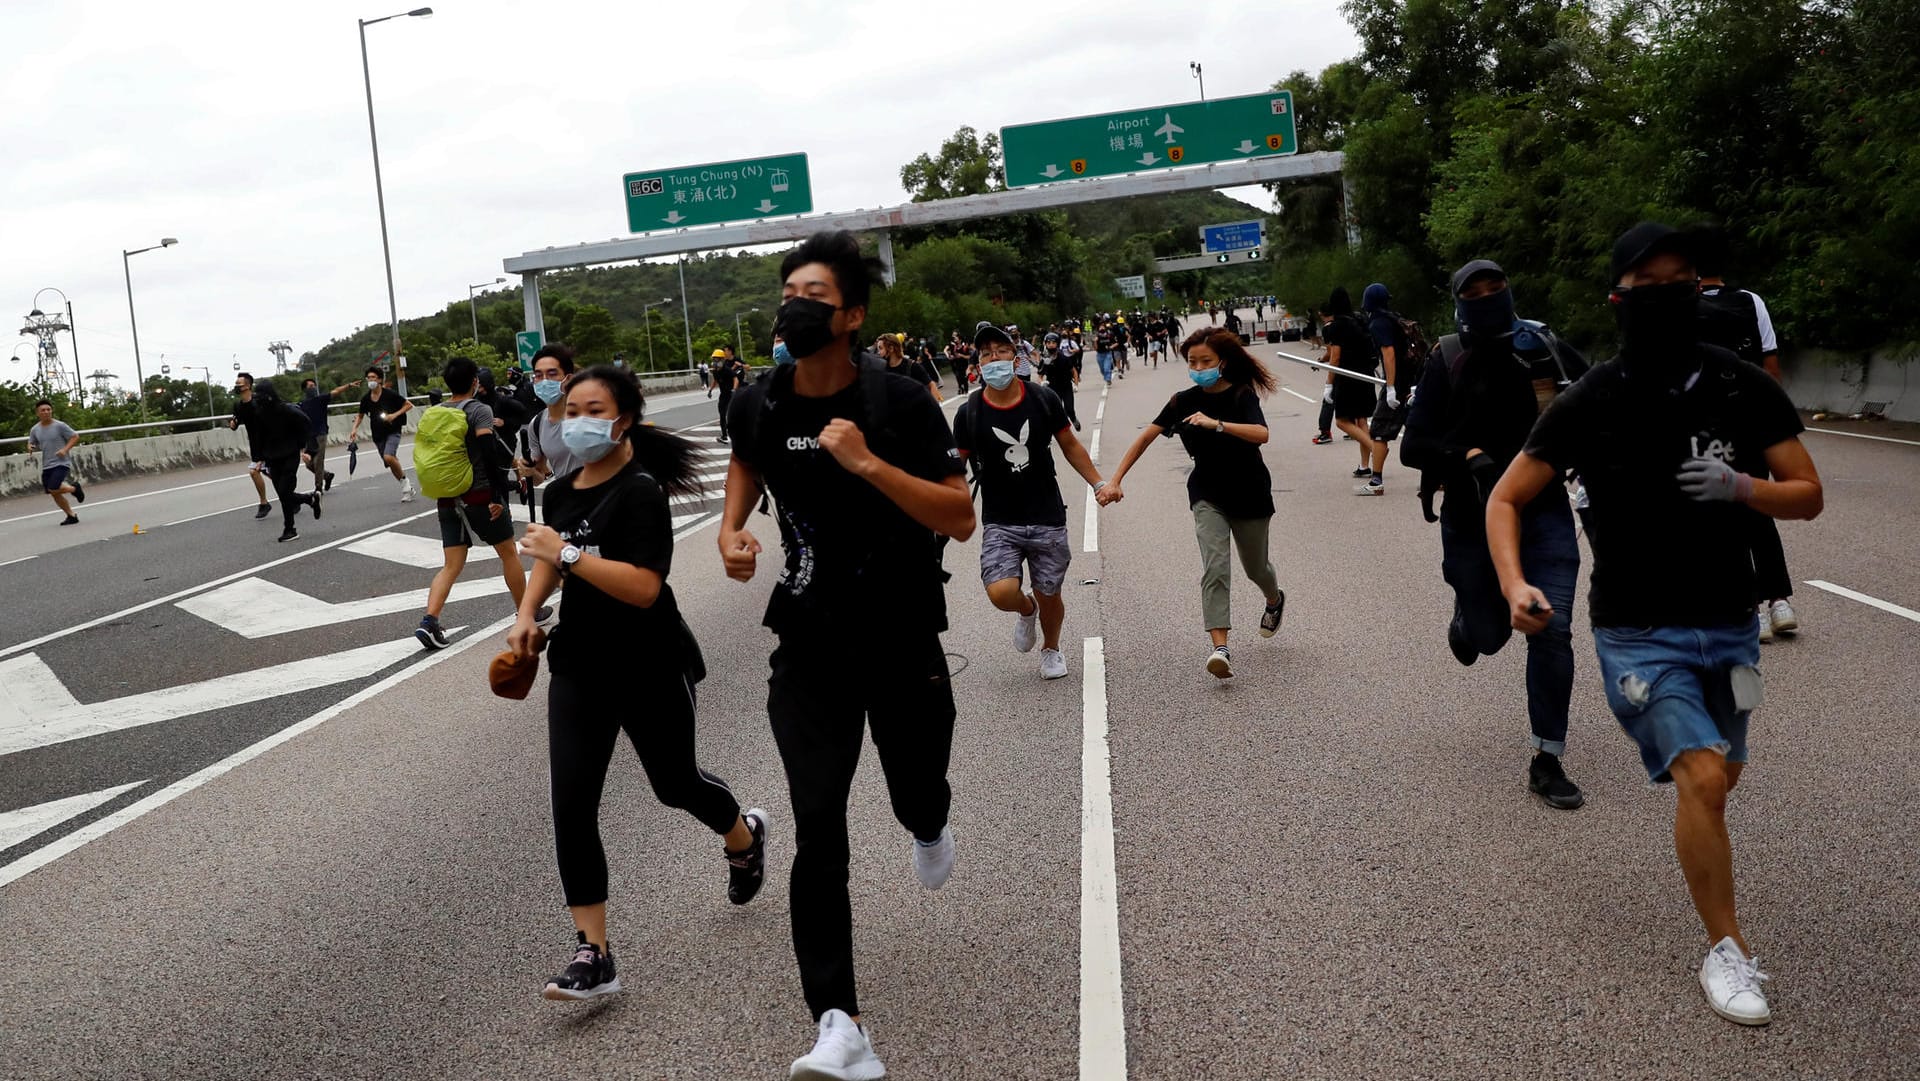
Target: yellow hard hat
(719, 353)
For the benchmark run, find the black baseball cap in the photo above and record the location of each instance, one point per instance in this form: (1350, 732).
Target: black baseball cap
(1643, 242)
(984, 332)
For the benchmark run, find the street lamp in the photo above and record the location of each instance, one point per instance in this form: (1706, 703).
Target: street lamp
(470, 311)
(644, 308)
(379, 193)
(207, 374)
(1194, 66)
(125, 257)
(738, 348)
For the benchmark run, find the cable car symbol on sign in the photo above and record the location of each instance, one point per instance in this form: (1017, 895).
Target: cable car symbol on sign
(1078, 165)
(779, 180)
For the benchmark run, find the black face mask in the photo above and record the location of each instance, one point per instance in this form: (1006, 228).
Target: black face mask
(1657, 325)
(806, 325)
(1485, 319)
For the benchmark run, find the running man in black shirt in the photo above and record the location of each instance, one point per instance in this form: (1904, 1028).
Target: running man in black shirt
(1060, 365)
(386, 407)
(1350, 348)
(864, 473)
(1006, 431)
(1221, 426)
(1674, 440)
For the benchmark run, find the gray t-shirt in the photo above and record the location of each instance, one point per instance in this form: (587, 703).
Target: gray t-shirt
(543, 440)
(50, 440)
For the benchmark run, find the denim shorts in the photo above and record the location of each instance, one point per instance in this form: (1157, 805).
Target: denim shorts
(1670, 688)
(1044, 548)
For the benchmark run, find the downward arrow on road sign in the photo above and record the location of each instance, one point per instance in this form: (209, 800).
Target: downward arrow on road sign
(674, 217)
(1246, 146)
(1052, 171)
(766, 206)
(1148, 158)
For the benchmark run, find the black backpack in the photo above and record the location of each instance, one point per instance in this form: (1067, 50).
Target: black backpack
(1729, 320)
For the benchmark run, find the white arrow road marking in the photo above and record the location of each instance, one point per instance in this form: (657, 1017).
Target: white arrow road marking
(256, 608)
(1051, 171)
(70, 722)
(1245, 147)
(17, 826)
(28, 689)
(766, 206)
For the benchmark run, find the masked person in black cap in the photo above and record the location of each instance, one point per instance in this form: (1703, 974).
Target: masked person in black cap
(1674, 440)
(1060, 365)
(1479, 396)
(864, 473)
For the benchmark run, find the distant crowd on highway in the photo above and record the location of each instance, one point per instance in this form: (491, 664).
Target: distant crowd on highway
(1677, 455)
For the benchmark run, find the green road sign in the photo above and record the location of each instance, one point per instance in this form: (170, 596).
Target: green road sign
(723, 191)
(1161, 137)
(525, 345)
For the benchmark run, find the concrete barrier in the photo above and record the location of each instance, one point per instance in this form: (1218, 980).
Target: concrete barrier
(107, 459)
(1823, 380)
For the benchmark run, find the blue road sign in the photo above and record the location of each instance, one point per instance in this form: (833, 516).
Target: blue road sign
(1231, 236)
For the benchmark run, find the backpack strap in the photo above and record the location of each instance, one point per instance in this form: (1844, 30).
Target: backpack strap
(1454, 355)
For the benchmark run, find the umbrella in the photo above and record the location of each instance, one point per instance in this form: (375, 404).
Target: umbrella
(353, 455)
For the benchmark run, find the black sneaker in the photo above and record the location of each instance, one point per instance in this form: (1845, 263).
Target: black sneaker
(263, 511)
(542, 614)
(1363, 472)
(326, 483)
(589, 975)
(1463, 648)
(747, 870)
(79, 493)
(1546, 779)
(1270, 619)
(720, 439)
(1322, 439)
(313, 501)
(430, 634)
(289, 533)
(70, 520)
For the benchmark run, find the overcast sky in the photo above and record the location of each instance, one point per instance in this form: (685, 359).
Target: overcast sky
(241, 129)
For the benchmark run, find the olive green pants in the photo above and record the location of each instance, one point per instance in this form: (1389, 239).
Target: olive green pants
(1215, 532)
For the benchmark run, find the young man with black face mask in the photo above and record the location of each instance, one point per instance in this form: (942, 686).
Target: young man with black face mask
(1479, 396)
(864, 473)
(1674, 440)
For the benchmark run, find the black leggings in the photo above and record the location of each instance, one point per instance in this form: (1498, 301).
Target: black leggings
(726, 403)
(285, 473)
(584, 719)
(1065, 393)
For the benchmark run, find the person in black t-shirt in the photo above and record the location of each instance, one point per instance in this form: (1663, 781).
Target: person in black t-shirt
(1060, 367)
(1674, 440)
(1481, 393)
(245, 415)
(1006, 432)
(607, 545)
(862, 467)
(1230, 491)
(314, 402)
(386, 407)
(1350, 348)
(728, 374)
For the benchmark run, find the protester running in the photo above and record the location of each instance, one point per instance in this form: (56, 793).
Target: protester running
(279, 431)
(55, 441)
(1220, 424)
(244, 413)
(387, 408)
(314, 402)
(1350, 348)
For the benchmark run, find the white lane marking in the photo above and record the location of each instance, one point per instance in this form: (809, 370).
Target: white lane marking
(93, 831)
(191, 590)
(714, 427)
(17, 826)
(1103, 1019)
(708, 478)
(1298, 395)
(197, 517)
(1090, 525)
(1100, 414)
(697, 526)
(257, 608)
(1861, 435)
(29, 689)
(413, 551)
(22, 559)
(222, 692)
(1884, 606)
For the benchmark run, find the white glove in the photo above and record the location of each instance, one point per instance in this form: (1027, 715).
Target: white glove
(1709, 480)
(1393, 398)
(1328, 396)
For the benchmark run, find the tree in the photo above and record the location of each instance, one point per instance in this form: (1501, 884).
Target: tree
(965, 165)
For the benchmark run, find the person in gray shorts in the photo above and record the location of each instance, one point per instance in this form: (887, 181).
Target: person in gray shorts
(1005, 430)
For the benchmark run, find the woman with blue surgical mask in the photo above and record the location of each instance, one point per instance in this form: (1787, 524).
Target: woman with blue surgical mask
(1218, 420)
(621, 657)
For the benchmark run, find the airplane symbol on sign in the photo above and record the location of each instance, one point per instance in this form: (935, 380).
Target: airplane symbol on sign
(1169, 129)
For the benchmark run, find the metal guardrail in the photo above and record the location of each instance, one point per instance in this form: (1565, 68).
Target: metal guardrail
(183, 420)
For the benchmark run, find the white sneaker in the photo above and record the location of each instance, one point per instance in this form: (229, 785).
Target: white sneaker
(841, 1053)
(1026, 629)
(1053, 664)
(1784, 621)
(1370, 488)
(406, 492)
(1220, 663)
(933, 862)
(1732, 981)
(1766, 624)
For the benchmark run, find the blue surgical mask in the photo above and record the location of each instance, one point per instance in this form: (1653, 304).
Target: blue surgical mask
(1203, 377)
(589, 438)
(780, 353)
(997, 373)
(549, 390)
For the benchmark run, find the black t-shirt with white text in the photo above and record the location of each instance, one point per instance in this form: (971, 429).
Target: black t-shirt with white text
(389, 401)
(1012, 447)
(1228, 471)
(624, 518)
(852, 554)
(1661, 559)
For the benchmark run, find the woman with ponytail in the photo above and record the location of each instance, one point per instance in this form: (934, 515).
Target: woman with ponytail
(1220, 423)
(608, 545)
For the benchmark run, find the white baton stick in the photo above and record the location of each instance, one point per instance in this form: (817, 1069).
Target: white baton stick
(1375, 380)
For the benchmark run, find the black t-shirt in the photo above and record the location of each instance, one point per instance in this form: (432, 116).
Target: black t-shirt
(1357, 352)
(389, 401)
(1228, 471)
(626, 519)
(1012, 448)
(851, 552)
(915, 370)
(1059, 368)
(727, 376)
(1660, 559)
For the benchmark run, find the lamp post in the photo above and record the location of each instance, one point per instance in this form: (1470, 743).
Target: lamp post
(126, 268)
(205, 373)
(470, 309)
(1194, 66)
(644, 309)
(738, 347)
(380, 195)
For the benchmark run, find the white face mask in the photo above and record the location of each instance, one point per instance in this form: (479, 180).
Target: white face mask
(373, 384)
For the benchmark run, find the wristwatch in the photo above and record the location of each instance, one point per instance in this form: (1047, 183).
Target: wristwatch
(1219, 425)
(569, 555)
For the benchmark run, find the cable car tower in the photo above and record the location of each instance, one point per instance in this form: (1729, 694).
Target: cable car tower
(52, 375)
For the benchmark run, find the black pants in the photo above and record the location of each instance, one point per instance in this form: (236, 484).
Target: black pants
(1326, 417)
(819, 711)
(1065, 391)
(584, 719)
(726, 401)
(1769, 560)
(285, 473)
